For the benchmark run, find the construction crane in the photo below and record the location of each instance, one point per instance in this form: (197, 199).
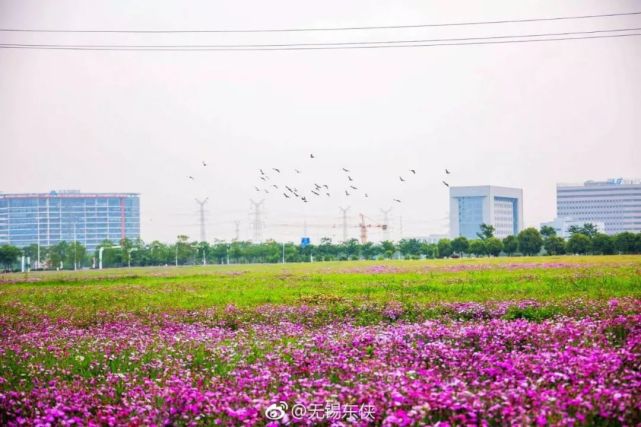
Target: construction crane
(363, 226)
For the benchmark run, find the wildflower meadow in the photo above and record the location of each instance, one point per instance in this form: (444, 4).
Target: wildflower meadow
(514, 341)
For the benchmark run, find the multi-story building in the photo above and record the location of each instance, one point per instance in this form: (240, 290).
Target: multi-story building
(49, 218)
(501, 207)
(616, 203)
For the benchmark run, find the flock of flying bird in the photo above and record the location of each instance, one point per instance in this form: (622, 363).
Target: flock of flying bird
(319, 190)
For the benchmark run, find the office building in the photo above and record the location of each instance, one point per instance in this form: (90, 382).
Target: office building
(48, 218)
(501, 207)
(615, 202)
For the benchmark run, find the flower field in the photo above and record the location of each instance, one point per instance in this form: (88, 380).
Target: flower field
(501, 342)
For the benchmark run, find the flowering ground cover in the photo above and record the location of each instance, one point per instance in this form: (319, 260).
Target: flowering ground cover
(337, 355)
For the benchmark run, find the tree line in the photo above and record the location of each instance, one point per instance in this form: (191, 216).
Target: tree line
(585, 239)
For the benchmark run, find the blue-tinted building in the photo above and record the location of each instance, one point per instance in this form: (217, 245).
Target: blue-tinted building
(48, 218)
(615, 202)
(501, 207)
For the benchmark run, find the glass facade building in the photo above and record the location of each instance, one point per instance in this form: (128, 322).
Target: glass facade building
(49, 218)
(616, 203)
(500, 207)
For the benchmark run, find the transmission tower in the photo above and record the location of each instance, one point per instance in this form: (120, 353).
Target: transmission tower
(386, 223)
(344, 213)
(258, 220)
(203, 236)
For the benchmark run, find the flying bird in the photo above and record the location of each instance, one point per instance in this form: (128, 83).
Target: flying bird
(191, 177)
(315, 193)
(276, 169)
(401, 178)
(345, 170)
(396, 200)
(353, 188)
(366, 195)
(413, 171)
(275, 186)
(346, 193)
(261, 172)
(285, 194)
(325, 185)
(445, 183)
(257, 189)
(262, 178)
(204, 164)
(311, 156)
(350, 178)
(297, 171)
(447, 172)
(327, 194)
(265, 190)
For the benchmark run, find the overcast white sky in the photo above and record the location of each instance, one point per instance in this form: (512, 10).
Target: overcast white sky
(523, 115)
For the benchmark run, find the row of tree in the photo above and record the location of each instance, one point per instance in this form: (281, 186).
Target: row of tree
(582, 240)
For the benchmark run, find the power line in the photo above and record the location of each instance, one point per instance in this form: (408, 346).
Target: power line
(280, 30)
(323, 47)
(239, 46)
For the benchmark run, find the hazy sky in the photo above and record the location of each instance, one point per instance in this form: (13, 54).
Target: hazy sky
(525, 115)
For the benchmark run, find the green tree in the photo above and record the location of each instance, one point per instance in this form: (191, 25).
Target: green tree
(75, 255)
(389, 248)
(486, 232)
(493, 246)
(460, 245)
(625, 242)
(554, 245)
(510, 245)
(9, 256)
(183, 251)
(444, 248)
(58, 253)
(530, 241)
(410, 248)
(477, 247)
(547, 231)
(579, 243)
(602, 244)
(430, 250)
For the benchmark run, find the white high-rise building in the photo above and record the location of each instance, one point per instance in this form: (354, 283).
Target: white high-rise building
(616, 203)
(501, 207)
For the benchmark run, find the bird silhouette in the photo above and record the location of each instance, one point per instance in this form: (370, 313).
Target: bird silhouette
(446, 184)
(297, 171)
(304, 199)
(285, 194)
(265, 190)
(346, 193)
(413, 171)
(447, 172)
(276, 169)
(325, 185)
(366, 195)
(401, 178)
(353, 188)
(311, 156)
(350, 178)
(397, 201)
(327, 194)
(261, 172)
(257, 189)
(345, 170)
(191, 177)
(262, 178)
(275, 186)
(204, 164)
(315, 193)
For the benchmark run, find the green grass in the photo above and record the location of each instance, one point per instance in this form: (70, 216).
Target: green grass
(62, 294)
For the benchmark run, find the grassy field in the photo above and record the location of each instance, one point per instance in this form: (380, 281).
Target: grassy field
(503, 341)
(554, 279)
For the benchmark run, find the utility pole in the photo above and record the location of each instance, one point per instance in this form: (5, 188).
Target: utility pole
(344, 213)
(203, 236)
(258, 221)
(237, 230)
(386, 223)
